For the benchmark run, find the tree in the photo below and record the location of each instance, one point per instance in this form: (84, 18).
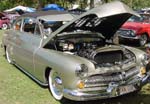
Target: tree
(6, 4)
(91, 3)
(40, 4)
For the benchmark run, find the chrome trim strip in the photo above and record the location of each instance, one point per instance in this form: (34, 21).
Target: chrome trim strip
(136, 38)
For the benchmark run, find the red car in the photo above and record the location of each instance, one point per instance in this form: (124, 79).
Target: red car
(136, 29)
(4, 21)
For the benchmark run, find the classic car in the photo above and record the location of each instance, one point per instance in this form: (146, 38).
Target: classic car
(74, 58)
(4, 21)
(136, 29)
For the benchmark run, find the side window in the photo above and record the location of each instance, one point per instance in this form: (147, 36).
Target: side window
(29, 25)
(54, 25)
(17, 24)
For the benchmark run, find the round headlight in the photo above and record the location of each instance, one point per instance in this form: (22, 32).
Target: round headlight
(132, 32)
(128, 32)
(144, 59)
(81, 70)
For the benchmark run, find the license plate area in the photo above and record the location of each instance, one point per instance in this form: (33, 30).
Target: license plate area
(126, 89)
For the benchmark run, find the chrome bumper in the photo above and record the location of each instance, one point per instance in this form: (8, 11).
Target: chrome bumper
(127, 37)
(114, 92)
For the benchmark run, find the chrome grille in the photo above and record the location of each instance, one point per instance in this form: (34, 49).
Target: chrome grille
(123, 32)
(126, 32)
(104, 80)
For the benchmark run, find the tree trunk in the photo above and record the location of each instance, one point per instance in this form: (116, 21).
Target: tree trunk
(91, 4)
(40, 4)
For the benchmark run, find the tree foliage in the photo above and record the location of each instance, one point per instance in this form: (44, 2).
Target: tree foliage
(6, 4)
(137, 4)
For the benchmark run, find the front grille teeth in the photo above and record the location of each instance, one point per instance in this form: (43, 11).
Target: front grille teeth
(115, 77)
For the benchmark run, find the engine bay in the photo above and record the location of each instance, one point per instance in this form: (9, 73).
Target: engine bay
(94, 48)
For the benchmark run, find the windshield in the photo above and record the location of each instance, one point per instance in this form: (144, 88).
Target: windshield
(54, 25)
(136, 19)
(143, 18)
(51, 26)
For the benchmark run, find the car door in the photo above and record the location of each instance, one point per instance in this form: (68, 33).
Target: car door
(26, 44)
(13, 37)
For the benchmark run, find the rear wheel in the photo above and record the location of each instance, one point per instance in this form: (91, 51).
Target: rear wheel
(8, 56)
(4, 26)
(55, 85)
(143, 40)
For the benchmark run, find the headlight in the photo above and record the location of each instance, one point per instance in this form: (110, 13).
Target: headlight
(81, 70)
(127, 32)
(144, 59)
(130, 33)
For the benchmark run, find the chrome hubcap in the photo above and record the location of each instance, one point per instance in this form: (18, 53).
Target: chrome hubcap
(57, 85)
(143, 40)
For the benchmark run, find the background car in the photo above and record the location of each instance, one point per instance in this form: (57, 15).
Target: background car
(75, 60)
(136, 29)
(11, 16)
(4, 21)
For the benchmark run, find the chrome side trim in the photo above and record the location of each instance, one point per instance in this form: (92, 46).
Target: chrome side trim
(31, 76)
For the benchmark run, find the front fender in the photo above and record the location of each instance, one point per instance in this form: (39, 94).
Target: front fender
(64, 64)
(138, 54)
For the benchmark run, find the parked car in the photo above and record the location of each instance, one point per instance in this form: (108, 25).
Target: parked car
(11, 16)
(136, 29)
(4, 21)
(74, 59)
(77, 11)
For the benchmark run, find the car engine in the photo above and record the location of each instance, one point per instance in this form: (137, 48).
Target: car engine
(94, 49)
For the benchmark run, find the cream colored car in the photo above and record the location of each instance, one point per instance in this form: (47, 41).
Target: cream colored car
(76, 59)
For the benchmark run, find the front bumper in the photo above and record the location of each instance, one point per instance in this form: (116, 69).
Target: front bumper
(129, 37)
(110, 92)
(128, 40)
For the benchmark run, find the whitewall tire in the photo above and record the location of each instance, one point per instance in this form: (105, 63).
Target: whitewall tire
(55, 85)
(8, 56)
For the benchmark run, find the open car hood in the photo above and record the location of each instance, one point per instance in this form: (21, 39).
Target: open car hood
(105, 19)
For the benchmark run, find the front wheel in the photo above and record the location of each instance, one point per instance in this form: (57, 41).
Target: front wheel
(55, 85)
(143, 40)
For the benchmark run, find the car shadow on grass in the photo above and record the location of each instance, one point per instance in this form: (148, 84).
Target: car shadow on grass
(133, 98)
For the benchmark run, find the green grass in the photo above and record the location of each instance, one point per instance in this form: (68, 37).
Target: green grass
(17, 88)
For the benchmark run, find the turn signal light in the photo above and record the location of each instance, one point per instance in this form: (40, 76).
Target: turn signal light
(142, 71)
(81, 85)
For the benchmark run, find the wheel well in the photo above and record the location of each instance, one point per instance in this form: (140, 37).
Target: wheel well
(47, 70)
(4, 48)
(146, 34)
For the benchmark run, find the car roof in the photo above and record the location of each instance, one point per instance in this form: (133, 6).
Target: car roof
(51, 15)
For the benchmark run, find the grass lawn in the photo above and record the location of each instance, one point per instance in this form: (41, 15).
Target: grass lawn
(17, 88)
